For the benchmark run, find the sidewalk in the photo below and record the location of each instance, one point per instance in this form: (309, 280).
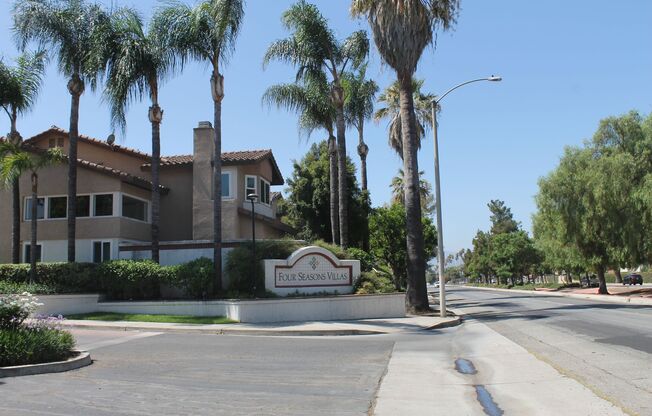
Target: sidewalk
(324, 328)
(633, 297)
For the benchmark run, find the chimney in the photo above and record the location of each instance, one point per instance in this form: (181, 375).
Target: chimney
(202, 169)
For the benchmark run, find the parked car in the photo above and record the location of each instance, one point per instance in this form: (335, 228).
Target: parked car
(633, 279)
(590, 281)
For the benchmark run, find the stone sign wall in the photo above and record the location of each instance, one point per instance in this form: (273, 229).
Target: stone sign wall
(311, 270)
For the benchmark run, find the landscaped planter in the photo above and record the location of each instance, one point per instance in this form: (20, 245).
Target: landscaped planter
(312, 308)
(81, 359)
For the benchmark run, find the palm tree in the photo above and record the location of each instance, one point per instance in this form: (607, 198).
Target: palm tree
(313, 48)
(390, 97)
(310, 98)
(425, 192)
(358, 108)
(137, 63)
(19, 86)
(74, 32)
(402, 29)
(14, 161)
(206, 32)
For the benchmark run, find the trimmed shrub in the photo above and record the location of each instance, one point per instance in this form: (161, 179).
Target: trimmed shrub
(374, 282)
(26, 345)
(367, 260)
(133, 280)
(196, 278)
(339, 252)
(10, 287)
(60, 277)
(239, 267)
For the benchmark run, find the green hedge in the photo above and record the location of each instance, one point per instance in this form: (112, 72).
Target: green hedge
(133, 280)
(32, 346)
(58, 277)
(196, 278)
(374, 282)
(239, 267)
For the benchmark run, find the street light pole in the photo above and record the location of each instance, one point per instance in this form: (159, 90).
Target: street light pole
(440, 230)
(252, 198)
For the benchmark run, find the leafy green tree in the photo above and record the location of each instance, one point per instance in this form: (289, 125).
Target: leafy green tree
(75, 33)
(502, 219)
(138, 61)
(402, 30)
(387, 240)
(16, 160)
(310, 98)
(558, 256)
(307, 206)
(206, 32)
(512, 254)
(391, 111)
(313, 49)
(19, 87)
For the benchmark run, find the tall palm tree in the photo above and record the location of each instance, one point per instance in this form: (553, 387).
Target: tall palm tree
(138, 62)
(74, 32)
(310, 98)
(425, 192)
(358, 109)
(390, 97)
(19, 86)
(402, 29)
(206, 32)
(14, 161)
(312, 48)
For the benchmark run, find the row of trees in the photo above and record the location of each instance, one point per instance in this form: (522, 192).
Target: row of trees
(593, 212)
(128, 60)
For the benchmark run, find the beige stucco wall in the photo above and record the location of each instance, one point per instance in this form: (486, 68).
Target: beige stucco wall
(5, 225)
(176, 206)
(125, 162)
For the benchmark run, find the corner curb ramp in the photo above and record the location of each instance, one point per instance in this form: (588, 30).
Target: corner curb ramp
(82, 359)
(601, 298)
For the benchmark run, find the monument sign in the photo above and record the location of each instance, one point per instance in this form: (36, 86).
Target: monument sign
(311, 270)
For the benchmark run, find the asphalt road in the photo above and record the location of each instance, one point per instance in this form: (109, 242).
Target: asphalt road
(605, 346)
(140, 373)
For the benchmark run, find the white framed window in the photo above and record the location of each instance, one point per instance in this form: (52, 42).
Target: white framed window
(27, 253)
(40, 209)
(135, 208)
(103, 205)
(83, 206)
(101, 251)
(250, 185)
(264, 191)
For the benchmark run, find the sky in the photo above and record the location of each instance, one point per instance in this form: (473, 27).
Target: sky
(565, 66)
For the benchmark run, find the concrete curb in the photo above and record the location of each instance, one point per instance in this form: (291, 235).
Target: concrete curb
(448, 324)
(82, 359)
(227, 331)
(601, 298)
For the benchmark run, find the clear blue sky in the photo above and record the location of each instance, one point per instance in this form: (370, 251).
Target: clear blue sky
(565, 64)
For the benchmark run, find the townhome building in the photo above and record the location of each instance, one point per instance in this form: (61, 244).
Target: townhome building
(114, 200)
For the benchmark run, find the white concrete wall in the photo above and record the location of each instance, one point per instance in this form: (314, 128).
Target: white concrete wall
(67, 304)
(333, 308)
(57, 250)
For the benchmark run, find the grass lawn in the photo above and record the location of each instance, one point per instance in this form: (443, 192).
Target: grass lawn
(132, 317)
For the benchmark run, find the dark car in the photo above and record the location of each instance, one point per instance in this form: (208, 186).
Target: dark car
(633, 279)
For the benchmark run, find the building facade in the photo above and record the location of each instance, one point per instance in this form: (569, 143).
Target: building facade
(114, 199)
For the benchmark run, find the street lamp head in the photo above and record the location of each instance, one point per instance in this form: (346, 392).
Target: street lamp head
(495, 78)
(252, 197)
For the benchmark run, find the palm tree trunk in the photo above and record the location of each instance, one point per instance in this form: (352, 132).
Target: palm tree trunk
(602, 289)
(363, 151)
(334, 200)
(32, 257)
(416, 295)
(341, 175)
(217, 88)
(14, 137)
(76, 89)
(155, 117)
(15, 227)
